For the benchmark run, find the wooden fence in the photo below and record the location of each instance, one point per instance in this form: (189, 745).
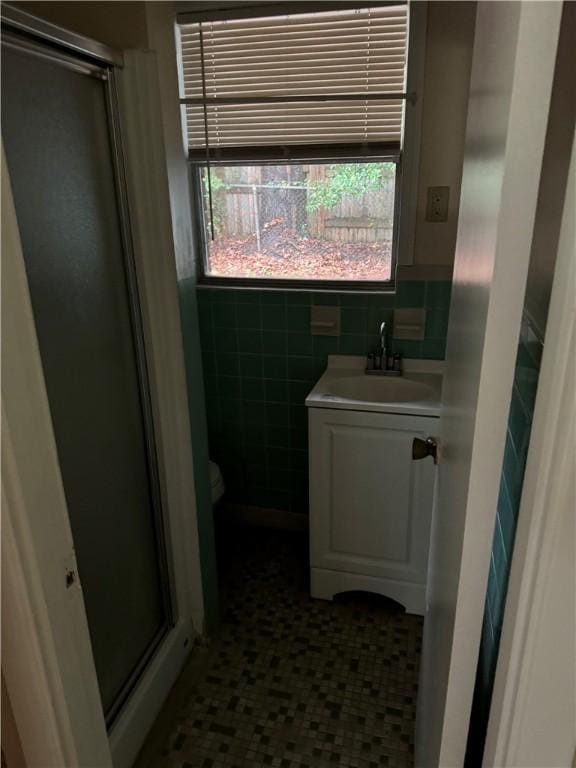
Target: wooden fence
(240, 218)
(246, 204)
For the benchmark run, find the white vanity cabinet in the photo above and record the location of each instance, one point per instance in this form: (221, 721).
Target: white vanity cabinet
(370, 504)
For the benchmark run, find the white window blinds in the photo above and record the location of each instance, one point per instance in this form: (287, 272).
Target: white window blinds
(326, 78)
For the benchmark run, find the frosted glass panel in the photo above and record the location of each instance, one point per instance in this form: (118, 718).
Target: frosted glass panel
(55, 130)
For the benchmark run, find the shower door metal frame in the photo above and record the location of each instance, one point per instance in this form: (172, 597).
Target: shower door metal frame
(36, 37)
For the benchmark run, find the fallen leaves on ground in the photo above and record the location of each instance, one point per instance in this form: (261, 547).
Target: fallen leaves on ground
(286, 254)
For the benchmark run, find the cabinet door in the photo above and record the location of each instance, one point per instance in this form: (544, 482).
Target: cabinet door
(370, 503)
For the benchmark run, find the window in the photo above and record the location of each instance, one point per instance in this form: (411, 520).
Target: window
(294, 126)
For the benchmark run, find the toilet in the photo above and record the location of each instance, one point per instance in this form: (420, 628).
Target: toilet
(217, 487)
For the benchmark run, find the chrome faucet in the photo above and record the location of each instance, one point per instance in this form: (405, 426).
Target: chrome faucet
(380, 363)
(383, 347)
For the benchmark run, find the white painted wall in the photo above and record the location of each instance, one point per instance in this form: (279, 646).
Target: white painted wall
(117, 23)
(448, 61)
(161, 21)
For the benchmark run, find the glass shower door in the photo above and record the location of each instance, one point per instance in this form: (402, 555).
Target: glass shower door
(57, 133)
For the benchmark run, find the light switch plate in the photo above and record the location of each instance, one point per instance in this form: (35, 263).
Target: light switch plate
(437, 203)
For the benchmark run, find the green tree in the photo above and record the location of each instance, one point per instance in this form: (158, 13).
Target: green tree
(347, 180)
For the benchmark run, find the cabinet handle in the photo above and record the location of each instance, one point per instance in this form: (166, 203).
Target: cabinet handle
(423, 448)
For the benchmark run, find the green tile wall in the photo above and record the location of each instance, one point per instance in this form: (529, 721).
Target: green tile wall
(260, 362)
(512, 478)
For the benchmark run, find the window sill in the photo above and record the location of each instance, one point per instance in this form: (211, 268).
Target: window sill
(316, 286)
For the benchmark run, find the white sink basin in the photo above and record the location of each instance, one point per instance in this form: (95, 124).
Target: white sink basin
(345, 386)
(375, 389)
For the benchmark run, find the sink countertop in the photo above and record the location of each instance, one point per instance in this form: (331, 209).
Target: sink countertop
(341, 367)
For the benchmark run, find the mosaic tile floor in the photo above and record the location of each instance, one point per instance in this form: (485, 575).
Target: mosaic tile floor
(292, 682)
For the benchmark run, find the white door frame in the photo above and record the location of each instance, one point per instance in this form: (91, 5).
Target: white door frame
(47, 658)
(533, 712)
(511, 84)
(151, 225)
